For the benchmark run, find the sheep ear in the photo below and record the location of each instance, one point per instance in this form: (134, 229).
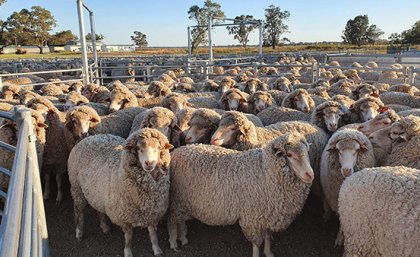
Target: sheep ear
(42, 125)
(94, 120)
(278, 152)
(168, 146)
(332, 146)
(129, 146)
(403, 137)
(383, 109)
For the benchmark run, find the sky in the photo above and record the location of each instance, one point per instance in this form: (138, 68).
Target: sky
(165, 22)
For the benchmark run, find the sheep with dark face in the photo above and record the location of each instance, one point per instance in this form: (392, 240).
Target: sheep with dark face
(225, 84)
(364, 90)
(364, 109)
(121, 97)
(259, 101)
(254, 84)
(282, 84)
(157, 89)
(96, 93)
(299, 100)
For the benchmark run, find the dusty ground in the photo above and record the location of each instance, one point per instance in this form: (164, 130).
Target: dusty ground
(307, 236)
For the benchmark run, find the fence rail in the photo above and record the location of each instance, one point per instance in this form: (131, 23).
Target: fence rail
(23, 229)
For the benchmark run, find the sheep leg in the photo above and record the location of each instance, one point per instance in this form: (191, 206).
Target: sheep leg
(79, 207)
(173, 233)
(154, 239)
(46, 185)
(104, 223)
(182, 230)
(59, 190)
(128, 235)
(267, 245)
(339, 239)
(255, 250)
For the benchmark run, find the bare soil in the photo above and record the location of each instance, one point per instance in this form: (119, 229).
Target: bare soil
(307, 236)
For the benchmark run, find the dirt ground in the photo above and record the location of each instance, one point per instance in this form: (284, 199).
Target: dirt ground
(307, 236)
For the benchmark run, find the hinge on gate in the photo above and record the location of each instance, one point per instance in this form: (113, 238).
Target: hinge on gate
(32, 138)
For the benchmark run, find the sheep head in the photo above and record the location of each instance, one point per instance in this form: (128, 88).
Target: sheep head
(348, 146)
(149, 149)
(292, 149)
(157, 89)
(175, 102)
(261, 100)
(330, 113)
(120, 97)
(368, 108)
(201, 126)
(233, 100)
(232, 126)
(381, 121)
(161, 119)
(80, 119)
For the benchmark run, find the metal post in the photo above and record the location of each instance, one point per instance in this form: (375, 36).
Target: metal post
(209, 26)
(85, 67)
(1, 83)
(411, 80)
(189, 42)
(92, 31)
(260, 41)
(313, 72)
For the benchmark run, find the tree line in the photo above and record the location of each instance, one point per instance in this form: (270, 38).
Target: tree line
(33, 27)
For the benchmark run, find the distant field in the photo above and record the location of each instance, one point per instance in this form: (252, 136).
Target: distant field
(216, 51)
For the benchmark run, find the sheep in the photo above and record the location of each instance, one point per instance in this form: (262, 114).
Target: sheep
(234, 99)
(101, 108)
(219, 70)
(10, 92)
(398, 144)
(364, 90)
(379, 214)
(26, 95)
(282, 84)
(277, 95)
(121, 97)
(345, 101)
(341, 87)
(202, 125)
(76, 87)
(273, 115)
(252, 85)
(404, 88)
(400, 98)
(97, 93)
(17, 81)
(263, 189)
(382, 87)
(353, 75)
(184, 116)
(347, 151)
(299, 100)
(159, 118)
(372, 64)
(210, 86)
(415, 112)
(398, 107)
(157, 89)
(259, 101)
(73, 99)
(124, 180)
(184, 88)
(51, 90)
(381, 121)
(225, 84)
(167, 80)
(327, 116)
(119, 73)
(175, 102)
(364, 109)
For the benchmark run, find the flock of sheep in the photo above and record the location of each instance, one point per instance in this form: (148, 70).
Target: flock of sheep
(247, 147)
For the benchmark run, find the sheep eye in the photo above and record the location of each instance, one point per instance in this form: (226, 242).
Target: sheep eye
(289, 155)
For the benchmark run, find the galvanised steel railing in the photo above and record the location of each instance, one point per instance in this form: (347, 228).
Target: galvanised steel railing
(23, 229)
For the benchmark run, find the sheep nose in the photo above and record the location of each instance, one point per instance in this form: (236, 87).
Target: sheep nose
(188, 139)
(148, 163)
(333, 126)
(85, 134)
(346, 172)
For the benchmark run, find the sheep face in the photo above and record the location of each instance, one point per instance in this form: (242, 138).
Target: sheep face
(41, 108)
(234, 100)
(80, 123)
(374, 124)
(261, 101)
(367, 91)
(76, 87)
(197, 133)
(224, 135)
(331, 116)
(163, 124)
(383, 138)
(348, 150)
(25, 97)
(368, 111)
(226, 84)
(301, 102)
(148, 152)
(295, 150)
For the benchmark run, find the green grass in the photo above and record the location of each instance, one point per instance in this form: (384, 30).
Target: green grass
(41, 56)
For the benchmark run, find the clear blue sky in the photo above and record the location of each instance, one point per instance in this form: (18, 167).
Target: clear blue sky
(165, 21)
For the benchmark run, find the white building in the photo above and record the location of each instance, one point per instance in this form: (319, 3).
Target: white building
(118, 48)
(74, 46)
(29, 49)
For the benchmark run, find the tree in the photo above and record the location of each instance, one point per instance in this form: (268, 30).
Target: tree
(61, 38)
(139, 39)
(97, 36)
(41, 22)
(395, 38)
(200, 16)
(17, 28)
(412, 36)
(274, 25)
(2, 2)
(242, 30)
(359, 32)
(373, 34)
